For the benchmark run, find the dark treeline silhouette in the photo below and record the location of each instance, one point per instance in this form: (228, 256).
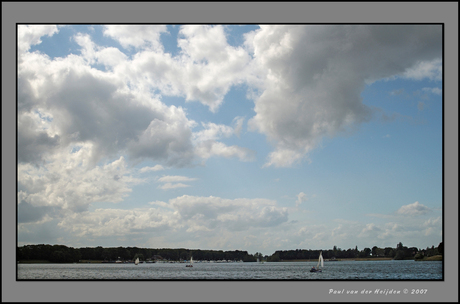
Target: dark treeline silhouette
(64, 254)
(400, 252)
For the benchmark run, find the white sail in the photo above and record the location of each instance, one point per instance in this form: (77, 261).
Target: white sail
(136, 262)
(191, 260)
(320, 260)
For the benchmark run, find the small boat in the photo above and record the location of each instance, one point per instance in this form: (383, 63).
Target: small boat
(191, 263)
(136, 262)
(320, 261)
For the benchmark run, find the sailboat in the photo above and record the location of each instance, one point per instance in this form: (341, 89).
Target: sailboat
(320, 261)
(136, 262)
(191, 263)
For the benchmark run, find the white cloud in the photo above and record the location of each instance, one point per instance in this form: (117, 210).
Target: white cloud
(436, 90)
(425, 69)
(136, 35)
(433, 222)
(370, 230)
(173, 186)
(309, 78)
(154, 168)
(160, 203)
(189, 214)
(172, 181)
(29, 35)
(413, 209)
(70, 183)
(306, 80)
(75, 122)
(166, 138)
(206, 144)
(238, 121)
(213, 131)
(118, 222)
(212, 66)
(301, 197)
(175, 178)
(92, 106)
(72, 117)
(212, 148)
(238, 214)
(204, 70)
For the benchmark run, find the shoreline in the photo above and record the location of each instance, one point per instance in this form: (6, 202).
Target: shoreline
(426, 259)
(343, 259)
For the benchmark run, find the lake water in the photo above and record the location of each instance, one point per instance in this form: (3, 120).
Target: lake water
(341, 270)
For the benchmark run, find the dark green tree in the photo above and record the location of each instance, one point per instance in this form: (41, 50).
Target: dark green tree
(441, 248)
(140, 256)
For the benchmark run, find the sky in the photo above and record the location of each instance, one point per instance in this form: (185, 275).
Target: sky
(230, 137)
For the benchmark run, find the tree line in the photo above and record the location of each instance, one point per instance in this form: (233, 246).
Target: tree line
(400, 252)
(64, 254)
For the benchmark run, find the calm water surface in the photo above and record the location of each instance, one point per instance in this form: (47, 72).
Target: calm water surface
(342, 270)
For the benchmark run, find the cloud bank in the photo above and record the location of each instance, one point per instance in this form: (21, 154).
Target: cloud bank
(85, 119)
(309, 78)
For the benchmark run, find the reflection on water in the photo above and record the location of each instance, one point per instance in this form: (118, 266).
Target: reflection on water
(343, 270)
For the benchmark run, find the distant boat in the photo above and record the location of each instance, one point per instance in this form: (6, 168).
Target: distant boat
(136, 262)
(191, 263)
(320, 261)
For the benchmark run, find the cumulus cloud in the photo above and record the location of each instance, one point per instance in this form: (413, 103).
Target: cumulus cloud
(216, 65)
(238, 214)
(70, 183)
(301, 197)
(118, 222)
(309, 78)
(212, 148)
(370, 228)
(213, 131)
(413, 209)
(29, 35)
(87, 105)
(425, 69)
(73, 117)
(115, 110)
(207, 144)
(136, 35)
(306, 82)
(204, 70)
(79, 127)
(185, 213)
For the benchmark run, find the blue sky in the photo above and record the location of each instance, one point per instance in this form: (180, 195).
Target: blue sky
(230, 137)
